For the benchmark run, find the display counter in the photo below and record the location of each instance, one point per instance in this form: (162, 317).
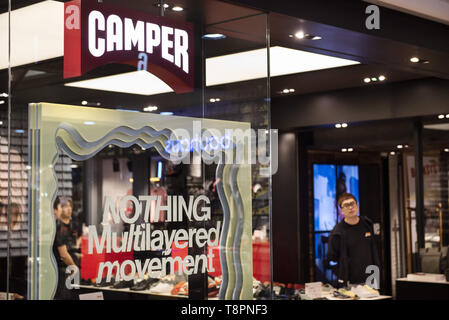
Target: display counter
(127, 294)
(422, 287)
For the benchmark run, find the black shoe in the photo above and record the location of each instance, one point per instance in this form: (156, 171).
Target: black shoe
(104, 283)
(123, 284)
(144, 284)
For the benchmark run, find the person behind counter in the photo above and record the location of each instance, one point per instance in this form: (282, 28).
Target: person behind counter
(352, 244)
(65, 247)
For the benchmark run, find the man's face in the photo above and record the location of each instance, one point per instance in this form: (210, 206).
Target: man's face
(67, 210)
(349, 208)
(58, 211)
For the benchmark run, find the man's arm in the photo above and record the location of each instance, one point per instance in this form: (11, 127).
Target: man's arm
(333, 248)
(65, 256)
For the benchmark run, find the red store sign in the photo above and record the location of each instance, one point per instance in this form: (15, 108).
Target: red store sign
(96, 34)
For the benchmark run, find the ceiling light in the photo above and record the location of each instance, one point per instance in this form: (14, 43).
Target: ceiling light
(350, 149)
(446, 150)
(400, 146)
(338, 126)
(344, 125)
(1, 123)
(214, 36)
(212, 100)
(290, 35)
(217, 99)
(344, 150)
(291, 90)
(166, 113)
(89, 123)
(441, 116)
(367, 80)
(131, 180)
(73, 166)
(414, 59)
(150, 108)
(299, 35)
(136, 82)
(4, 95)
(316, 38)
(447, 116)
(47, 20)
(382, 78)
(177, 8)
(2, 101)
(285, 91)
(249, 65)
(392, 153)
(84, 102)
(373, 79)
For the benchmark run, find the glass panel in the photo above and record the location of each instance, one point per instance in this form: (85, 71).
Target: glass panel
(237, 89)
(76, 193)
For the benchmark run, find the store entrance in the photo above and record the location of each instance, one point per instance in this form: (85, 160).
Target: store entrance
(353, 159)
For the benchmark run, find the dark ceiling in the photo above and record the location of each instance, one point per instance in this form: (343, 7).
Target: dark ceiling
(245, 29)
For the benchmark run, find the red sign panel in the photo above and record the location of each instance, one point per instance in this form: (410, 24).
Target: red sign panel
(96, 34)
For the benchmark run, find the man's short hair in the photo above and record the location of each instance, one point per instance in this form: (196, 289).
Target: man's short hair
(345, 196)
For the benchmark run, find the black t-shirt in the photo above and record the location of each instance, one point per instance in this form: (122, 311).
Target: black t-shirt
(66, 235)
(360, 252)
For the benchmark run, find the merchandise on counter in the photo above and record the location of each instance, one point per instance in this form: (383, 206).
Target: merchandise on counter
(144, 284)
(123, 284)
(365, 292)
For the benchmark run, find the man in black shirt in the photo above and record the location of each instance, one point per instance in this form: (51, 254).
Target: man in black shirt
(352, 244)
(65, 247)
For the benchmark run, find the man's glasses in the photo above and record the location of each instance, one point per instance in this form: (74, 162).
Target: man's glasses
(349, 205)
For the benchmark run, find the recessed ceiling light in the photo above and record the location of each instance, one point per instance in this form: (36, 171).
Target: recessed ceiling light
(382, 78)
(344, 150)
(290, 36)
(4, 95)
(217, 99)
(441, 116)
(392, 153)
(374, 79)
(447, 116)
(177, 8)
(446, 150)
(2, 101)
(400, 146)
(286, 91)
(291, 90)
(1, 123)
(338, 126)
(84, 102)
(150, 108)
(350, 149)
(316, 38)
(212, 100)
(299, 35)
(414, 59)
(344, 125)
(214, 36)
(367, 80)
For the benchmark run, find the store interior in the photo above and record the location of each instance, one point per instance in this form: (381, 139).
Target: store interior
(349, 108)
